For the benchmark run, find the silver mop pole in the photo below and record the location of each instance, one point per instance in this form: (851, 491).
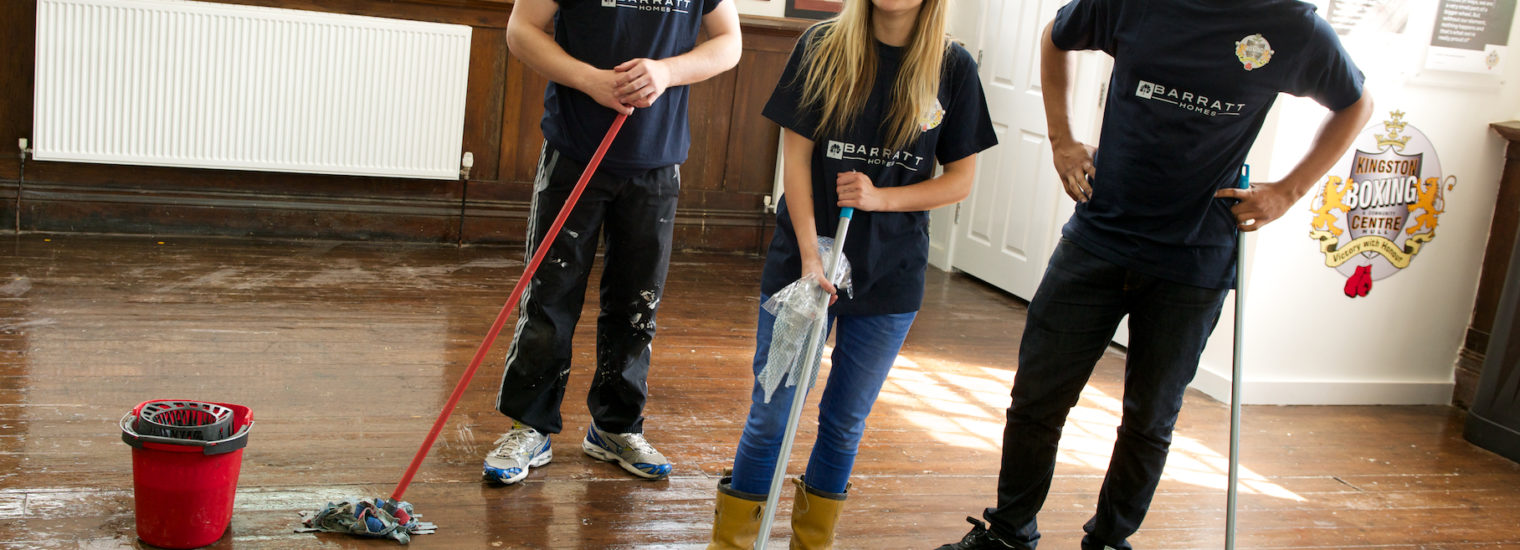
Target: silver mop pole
(815, 340)
(1240, 310)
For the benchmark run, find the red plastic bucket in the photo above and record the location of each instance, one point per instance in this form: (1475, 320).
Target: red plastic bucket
(182, 488)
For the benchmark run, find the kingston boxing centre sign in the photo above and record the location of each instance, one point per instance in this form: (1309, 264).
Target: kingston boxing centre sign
(1380, 204)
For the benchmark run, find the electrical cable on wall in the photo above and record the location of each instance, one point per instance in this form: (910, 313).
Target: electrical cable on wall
(21, 180)
(466, 162)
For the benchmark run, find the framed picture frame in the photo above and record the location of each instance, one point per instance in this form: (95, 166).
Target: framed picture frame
(813, 9)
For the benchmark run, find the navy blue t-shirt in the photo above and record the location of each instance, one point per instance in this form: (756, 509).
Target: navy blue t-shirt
(605, 33)
(1192, 83)
(888, 251)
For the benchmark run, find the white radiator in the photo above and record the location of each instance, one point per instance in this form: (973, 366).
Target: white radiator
(197, 84)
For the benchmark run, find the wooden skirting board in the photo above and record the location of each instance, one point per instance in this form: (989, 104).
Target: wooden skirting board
(53, 207)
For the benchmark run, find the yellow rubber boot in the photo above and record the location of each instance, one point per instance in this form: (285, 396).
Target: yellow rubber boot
(736, 518)
(814, 515)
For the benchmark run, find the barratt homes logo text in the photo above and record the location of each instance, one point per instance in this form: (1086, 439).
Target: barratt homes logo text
(840, 150)
(1186, 100)
(1380, 204)
(667, 6)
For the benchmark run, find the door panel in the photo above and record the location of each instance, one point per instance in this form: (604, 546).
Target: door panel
(1008, 224)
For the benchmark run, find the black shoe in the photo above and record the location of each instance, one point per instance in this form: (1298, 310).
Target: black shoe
(978, 539)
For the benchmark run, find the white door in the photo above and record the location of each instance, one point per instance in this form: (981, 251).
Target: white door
(1007, 228)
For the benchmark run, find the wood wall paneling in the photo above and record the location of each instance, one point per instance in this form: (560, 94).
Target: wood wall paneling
(723, 181)
(487, 89)
(708, 119)
(1494, 419)
(1501, 232)
(527, 109)
(474, 13)
(16, 53)
(1496, 261)
(766, 51)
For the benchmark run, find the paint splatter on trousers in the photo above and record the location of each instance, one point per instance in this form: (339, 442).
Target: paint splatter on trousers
(635, 214)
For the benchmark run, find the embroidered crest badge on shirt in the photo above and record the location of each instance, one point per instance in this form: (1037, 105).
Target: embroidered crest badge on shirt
(932, 116)
(1253, 51)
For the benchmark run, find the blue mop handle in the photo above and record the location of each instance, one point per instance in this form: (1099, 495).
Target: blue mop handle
(836, 267)
(815, 340)
(1240, 260)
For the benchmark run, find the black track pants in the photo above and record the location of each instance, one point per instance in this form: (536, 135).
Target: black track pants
(637, 216)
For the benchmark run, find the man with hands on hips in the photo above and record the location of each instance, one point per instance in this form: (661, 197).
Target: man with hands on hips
(1153, 235)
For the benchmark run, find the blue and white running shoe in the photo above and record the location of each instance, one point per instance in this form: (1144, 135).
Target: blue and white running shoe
(517, 451)
(630, 450)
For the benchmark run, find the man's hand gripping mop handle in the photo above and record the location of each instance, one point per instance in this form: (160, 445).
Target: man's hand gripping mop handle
(815, 340)
(1240, 310)
(506, 309)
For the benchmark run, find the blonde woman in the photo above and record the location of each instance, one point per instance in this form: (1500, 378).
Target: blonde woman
(868, 102)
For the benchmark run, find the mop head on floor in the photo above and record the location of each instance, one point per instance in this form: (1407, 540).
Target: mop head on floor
(380, 518)
(800, 310)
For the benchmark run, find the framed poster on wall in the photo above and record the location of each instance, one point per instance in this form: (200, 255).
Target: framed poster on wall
(813, 9)
(1471, 36)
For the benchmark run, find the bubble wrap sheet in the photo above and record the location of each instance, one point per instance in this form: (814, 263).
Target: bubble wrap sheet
(800, 309)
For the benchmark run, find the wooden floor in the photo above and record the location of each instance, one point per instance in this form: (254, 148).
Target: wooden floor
(345, 352)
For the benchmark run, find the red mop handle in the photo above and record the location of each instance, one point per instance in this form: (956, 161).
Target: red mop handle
(506, 309)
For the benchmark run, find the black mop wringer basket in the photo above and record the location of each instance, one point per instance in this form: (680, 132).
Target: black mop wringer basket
(190, 420)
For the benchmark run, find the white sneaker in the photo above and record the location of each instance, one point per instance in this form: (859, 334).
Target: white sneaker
(630, 450)
(517, 451)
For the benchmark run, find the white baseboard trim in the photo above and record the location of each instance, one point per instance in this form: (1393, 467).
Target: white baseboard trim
(1323, 392)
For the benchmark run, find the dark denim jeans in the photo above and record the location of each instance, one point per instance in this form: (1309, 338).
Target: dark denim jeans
(637, 216)
(1071, 321)
(865, 347)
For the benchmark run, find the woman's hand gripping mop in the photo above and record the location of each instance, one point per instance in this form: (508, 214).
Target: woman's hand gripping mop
(393, 518)
(802, 311)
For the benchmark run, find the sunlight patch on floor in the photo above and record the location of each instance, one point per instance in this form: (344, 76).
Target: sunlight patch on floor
(964, 405)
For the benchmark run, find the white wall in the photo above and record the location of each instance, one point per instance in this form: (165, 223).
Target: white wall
(963, 20)
(772, 8)
(1306, 342)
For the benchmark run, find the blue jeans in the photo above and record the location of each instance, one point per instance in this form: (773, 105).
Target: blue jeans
(864, 349)
(1071, 320)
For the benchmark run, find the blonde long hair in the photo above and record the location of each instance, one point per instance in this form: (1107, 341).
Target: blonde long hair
(840, 68)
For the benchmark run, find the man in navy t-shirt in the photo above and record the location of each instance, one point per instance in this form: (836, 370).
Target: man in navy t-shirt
(605, 57)
(1153, 235)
